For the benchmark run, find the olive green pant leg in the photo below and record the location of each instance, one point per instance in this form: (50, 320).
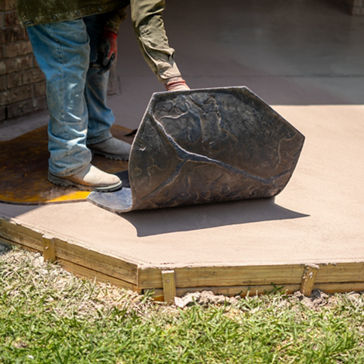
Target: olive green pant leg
(149, 27)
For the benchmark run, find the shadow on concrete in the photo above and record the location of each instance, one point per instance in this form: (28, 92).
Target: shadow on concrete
(188, 218)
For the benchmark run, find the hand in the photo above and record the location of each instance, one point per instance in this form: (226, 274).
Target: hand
(176, 84)
(107, 51)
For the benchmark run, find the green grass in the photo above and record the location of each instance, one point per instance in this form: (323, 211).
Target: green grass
(49, 316)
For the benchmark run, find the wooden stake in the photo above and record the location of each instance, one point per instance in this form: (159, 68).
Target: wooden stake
(49, 250)
(308, 279)
(169, 285)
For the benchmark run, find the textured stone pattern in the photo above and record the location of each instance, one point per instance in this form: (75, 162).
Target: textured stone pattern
(22, 84)
(202, 146)
(208, 145)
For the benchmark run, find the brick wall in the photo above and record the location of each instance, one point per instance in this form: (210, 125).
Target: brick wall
(22, 85)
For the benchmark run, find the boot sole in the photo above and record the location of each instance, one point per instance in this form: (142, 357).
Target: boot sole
(59, 181)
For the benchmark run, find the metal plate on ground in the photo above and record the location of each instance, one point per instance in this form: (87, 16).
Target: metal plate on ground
(24, 167)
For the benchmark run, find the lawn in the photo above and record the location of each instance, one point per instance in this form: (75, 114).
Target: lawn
(50, 316)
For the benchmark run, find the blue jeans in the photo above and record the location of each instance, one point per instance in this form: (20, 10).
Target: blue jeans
(76, 92)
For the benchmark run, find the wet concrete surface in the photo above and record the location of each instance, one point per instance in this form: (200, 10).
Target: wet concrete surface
(288, 52)
(306, 59)
(316, 219)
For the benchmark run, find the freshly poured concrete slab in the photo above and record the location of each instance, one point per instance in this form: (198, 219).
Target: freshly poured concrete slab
(263, 44)
(317, 219)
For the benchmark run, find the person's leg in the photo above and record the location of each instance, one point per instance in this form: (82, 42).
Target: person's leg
(100, 116)
(62, 52)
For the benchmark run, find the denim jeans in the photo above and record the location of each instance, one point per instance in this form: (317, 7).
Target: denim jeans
(76, 92)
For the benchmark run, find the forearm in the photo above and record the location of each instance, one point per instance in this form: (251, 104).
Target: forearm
(148, 24)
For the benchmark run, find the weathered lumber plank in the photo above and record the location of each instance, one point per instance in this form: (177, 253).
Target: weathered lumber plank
(56, 248)
(242, 291)
(341, 272)
(85, 272)
(340, 287)
(225, 276)
(102, 263)
(20, 234)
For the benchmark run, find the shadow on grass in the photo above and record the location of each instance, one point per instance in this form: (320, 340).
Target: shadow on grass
(4, 248)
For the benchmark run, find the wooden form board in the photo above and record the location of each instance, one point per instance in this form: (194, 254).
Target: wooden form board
(169, 281)
(74, 258)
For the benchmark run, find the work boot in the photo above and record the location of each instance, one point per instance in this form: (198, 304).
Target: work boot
(90, 178)
(112, 148)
